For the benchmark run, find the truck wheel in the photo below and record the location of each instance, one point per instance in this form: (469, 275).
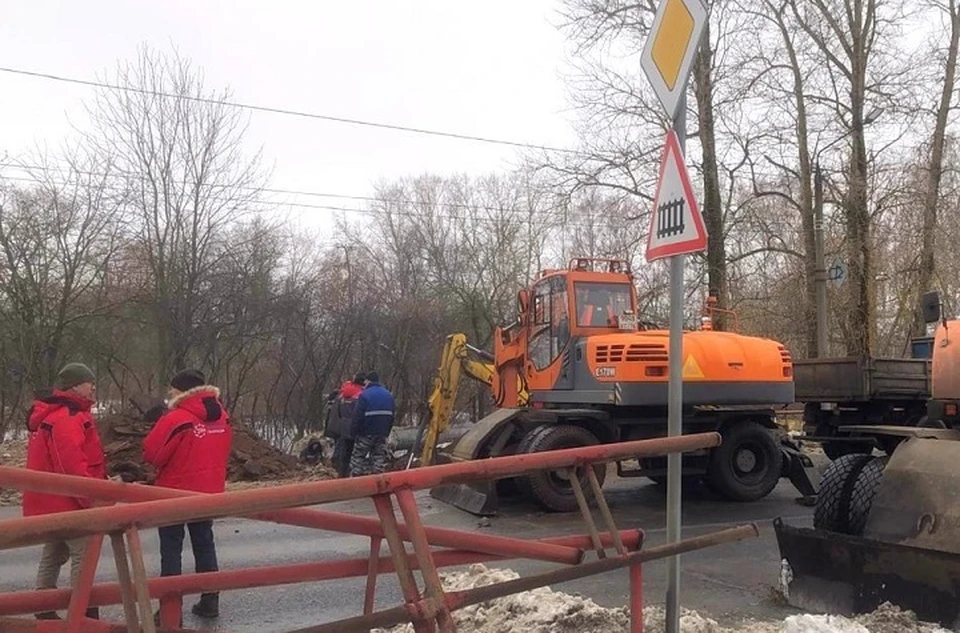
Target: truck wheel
(846, 493)
(747, 464)
(552, 489)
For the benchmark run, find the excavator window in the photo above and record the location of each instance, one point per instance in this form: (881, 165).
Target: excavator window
(600, 304)
(551, 321)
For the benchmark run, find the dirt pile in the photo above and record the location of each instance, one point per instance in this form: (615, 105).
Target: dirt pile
(252, 459)
(546, 611)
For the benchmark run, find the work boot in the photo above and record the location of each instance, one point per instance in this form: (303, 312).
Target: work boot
(208, 607)
(47, 615)
(93, 613)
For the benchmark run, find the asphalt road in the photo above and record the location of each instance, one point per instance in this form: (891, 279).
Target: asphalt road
(727, 582)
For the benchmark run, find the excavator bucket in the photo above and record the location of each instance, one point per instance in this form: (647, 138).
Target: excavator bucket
(827, 572)
(908, 552)
(479, 498)
(487, 438)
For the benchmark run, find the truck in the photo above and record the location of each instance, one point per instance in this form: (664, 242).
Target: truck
(854, 391)
(591, 373)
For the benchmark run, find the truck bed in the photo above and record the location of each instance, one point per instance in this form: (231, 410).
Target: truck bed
(861, 379)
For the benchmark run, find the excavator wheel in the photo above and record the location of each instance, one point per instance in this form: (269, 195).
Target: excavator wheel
(846, 493)
(552, 489)
(748, 463)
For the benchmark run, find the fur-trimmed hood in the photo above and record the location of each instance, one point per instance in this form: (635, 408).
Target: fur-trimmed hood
(202, 402)
(189, 393)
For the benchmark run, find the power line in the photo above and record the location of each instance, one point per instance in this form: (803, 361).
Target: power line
(286, 111)
(315, 194)
(536, 215)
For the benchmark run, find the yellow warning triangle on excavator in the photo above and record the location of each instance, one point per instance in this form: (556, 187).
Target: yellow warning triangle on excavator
(691, 368)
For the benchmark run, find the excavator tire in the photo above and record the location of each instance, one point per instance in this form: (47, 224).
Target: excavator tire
(748, 463)
(552, 489)
(846, 493)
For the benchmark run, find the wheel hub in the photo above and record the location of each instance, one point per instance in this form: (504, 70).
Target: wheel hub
(745, 460)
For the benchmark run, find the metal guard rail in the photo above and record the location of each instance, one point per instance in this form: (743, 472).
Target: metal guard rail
(429, 610)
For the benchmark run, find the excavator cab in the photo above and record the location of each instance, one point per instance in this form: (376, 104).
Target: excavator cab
(590, 297)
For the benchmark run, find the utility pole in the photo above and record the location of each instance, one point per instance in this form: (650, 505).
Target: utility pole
(820, 278)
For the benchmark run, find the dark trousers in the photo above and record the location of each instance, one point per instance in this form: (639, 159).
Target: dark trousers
(171, 548)
(342, 451)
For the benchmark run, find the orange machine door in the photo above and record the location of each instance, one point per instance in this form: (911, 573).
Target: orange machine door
(549, 334)
(946, 362)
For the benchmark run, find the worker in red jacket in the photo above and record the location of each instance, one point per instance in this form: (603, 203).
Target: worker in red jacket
(63, 439)
(189, 446)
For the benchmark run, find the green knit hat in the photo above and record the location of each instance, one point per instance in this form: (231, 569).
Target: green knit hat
(74, 374)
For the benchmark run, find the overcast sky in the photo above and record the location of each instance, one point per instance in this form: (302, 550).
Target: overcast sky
(487, 69)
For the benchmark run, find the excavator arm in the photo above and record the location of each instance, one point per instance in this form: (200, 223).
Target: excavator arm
(458, 359)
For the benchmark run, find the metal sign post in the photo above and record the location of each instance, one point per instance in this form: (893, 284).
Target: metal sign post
(675, 410)
(676, 228)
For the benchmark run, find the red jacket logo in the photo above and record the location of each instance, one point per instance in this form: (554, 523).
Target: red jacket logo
(199, 430)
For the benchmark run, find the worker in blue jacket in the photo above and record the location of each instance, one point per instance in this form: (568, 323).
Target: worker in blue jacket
(372, 422)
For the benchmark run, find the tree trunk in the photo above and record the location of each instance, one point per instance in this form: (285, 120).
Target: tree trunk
(860, 312)
(806, 202)
(712, 207)
(931, 199)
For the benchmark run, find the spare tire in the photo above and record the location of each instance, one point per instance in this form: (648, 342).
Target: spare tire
(846, 494)
(552, 488)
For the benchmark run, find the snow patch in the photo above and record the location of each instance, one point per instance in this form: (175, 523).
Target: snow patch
(546, 611)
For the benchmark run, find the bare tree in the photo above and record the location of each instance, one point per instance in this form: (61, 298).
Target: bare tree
(58, 240)
(950, 10)
(622, 125)
(851, 36)
(178, 150)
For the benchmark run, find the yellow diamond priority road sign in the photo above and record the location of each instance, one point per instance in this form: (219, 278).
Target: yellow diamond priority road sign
(671, 45)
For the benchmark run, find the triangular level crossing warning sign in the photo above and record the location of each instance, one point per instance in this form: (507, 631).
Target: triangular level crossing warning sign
(676, 226)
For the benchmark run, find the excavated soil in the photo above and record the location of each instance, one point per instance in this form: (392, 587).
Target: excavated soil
(546, 611)
(253, 461)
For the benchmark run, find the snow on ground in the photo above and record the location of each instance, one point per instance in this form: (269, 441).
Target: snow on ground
(546, 611)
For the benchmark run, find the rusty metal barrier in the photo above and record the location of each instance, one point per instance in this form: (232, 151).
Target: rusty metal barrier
(148, 506)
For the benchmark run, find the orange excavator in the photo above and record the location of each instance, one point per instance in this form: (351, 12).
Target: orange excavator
(594, 374)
